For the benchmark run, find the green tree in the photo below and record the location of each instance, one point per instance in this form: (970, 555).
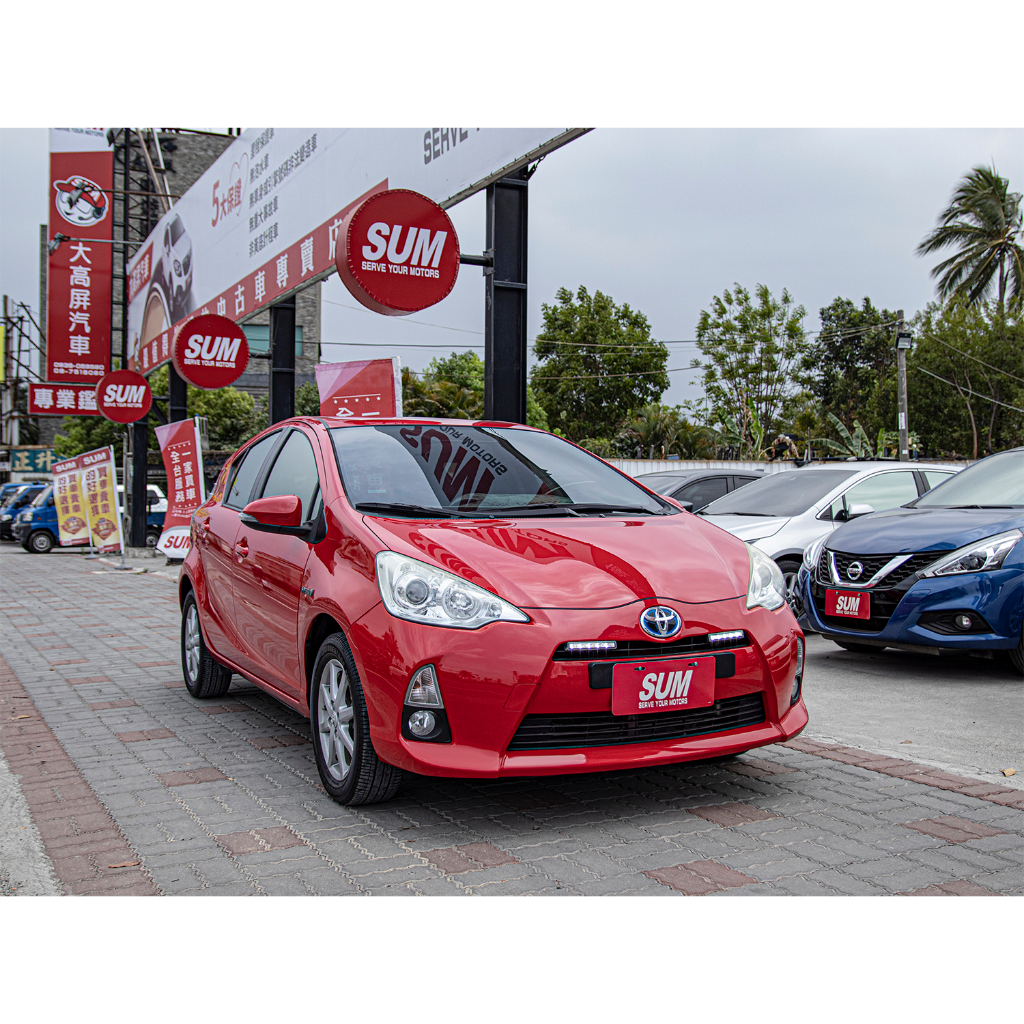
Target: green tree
(597, 363)
(851, 354)
(753, 353)
(654, 428)
(983, 222)
(966, 379)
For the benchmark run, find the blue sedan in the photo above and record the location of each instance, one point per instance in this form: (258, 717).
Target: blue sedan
(943, 571)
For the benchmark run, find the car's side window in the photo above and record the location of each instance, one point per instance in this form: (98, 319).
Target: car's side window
(245, 475)
(886, 490)
(934, 477)
(294, 472)
(702, 492)
(739, 481)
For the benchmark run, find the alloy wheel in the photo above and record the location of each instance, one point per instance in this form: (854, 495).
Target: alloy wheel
(336, 720)
(192, 643)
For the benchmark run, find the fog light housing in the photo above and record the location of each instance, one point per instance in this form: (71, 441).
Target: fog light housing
(418, 723)
(964, 621)
(421, 723)
(798, 678)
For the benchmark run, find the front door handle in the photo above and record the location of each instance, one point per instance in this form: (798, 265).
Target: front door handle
(241, 549)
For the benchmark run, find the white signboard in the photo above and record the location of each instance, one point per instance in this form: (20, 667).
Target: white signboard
(263, 220)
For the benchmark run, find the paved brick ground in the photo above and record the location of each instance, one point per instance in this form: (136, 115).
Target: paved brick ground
(224, 799)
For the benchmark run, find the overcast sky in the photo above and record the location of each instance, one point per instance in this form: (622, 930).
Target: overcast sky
(662, 219)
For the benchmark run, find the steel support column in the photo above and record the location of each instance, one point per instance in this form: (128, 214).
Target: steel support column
(140, 470)
(505, 319)
(282, 360)
(177, 395)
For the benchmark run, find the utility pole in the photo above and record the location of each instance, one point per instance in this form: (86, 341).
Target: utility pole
(902, 344)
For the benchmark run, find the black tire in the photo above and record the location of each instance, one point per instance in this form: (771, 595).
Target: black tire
(152, 537)
(350, 770)
(789, 570)
(858, 648)
(40, 542)
(206, 677)
(1017, 654)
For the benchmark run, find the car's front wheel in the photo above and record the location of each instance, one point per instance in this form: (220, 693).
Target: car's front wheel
(40, 542)
(349, 768)
(790, 571)
(1017, 654)
(204, 677)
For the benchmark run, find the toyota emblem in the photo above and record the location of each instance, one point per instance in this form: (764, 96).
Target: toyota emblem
(660, 622)
(854, 571)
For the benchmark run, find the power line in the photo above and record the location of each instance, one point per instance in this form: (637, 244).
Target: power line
(977, 394)
(932, 337)
(601, 376)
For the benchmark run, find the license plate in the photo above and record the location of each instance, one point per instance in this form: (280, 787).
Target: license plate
(854, 604)
(671, 685)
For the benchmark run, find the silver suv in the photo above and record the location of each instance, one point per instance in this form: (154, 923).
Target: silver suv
(786, 512)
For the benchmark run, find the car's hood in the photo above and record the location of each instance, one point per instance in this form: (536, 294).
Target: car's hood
(749, 527)
(900, 530)
(588, 563)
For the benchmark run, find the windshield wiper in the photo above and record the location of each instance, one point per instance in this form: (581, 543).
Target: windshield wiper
(977, 506)
(769, 515)
(574, 508)
(384, 507)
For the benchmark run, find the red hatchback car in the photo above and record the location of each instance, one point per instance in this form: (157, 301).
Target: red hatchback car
(480, 599)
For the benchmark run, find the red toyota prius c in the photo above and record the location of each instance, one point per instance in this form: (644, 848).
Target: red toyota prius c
(478, 600)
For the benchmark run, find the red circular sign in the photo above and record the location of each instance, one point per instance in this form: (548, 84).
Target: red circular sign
(123, 396)
(210, 351)
(400, 252)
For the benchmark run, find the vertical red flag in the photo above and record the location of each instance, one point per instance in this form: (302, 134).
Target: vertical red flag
(79, 271)
(186, 488)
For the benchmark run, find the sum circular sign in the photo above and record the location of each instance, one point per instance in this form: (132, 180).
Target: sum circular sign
(123, 396)
(210, 351)
(400, 252)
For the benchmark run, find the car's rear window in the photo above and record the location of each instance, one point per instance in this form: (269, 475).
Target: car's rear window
(997, 481)
(788, 493)
(471, 468)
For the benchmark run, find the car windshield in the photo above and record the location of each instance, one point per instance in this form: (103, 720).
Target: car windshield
(12, 497)
(177, 230)
(663, 483)
(995, 482)
(23, 498)
(788, 493)
(42, 496)
(424, 469)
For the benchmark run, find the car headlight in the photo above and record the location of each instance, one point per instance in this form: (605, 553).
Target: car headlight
(177, 268)
(418, 592)
(26, 517)
(5, 518)
(813, 553)
(981, 556)
(767, 586)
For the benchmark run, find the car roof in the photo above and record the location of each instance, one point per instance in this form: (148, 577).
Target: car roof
(358, 421)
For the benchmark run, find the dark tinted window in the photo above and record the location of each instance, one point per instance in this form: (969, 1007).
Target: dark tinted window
(245, 475)
(294, 472)
(788, 493)
(702, 492)
(997, 480)
(740, 481)
(476, 468)
(177, 230)
(26, 496)
(662, 483)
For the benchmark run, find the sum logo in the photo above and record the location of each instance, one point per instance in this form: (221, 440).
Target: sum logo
(211, 350)
(666, 685)
(131, 395)
(847, 604)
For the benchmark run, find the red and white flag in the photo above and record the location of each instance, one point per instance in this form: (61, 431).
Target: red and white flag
(186, 488)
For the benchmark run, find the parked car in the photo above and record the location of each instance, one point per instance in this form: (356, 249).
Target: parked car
(695, 488)
(36, 527)
(156, 510)
(176, 259)
(7, 491)
(16, 502)
(436, 602)
(784, 513)
(945, 570)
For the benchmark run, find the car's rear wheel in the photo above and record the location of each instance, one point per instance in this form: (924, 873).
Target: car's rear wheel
(40, 542)
(204, 677)
(152, 537)
(790, 570)
(859, 648)
(349, 768)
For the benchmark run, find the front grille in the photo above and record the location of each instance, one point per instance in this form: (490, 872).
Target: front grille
(626, 649)
(872, 563)
(603, 729)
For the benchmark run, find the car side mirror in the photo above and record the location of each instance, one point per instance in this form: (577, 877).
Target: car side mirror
(859, 510)
(279, 514)
(686, 505)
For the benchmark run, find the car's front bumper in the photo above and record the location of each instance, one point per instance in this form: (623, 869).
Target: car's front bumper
(493, 678)
(997, 596)
(20, 531)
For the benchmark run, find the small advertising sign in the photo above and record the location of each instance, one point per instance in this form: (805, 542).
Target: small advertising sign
(79, 270)
(360, 387)
(72, 526)
(124, 396)
(99, 489)
(62, 400)
(210, 352)
(400, 252)
(186, 488)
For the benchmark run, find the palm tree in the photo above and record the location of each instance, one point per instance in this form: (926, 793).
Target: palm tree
(983, 220)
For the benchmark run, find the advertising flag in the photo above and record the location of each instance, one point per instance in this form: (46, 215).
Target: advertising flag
(72, 526)
(360, 387)
(186, 487)
(79, 270)
(99, 488)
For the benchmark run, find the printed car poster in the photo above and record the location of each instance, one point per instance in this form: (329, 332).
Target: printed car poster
(360, 387)
(72, 524)
(186, 490)
(99, 490)
(79, 269)
(263, 220)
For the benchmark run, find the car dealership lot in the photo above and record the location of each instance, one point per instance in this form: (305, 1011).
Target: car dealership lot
(119, 766)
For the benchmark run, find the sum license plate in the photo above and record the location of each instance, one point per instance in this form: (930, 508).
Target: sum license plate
(854, 604)
(672, 685)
